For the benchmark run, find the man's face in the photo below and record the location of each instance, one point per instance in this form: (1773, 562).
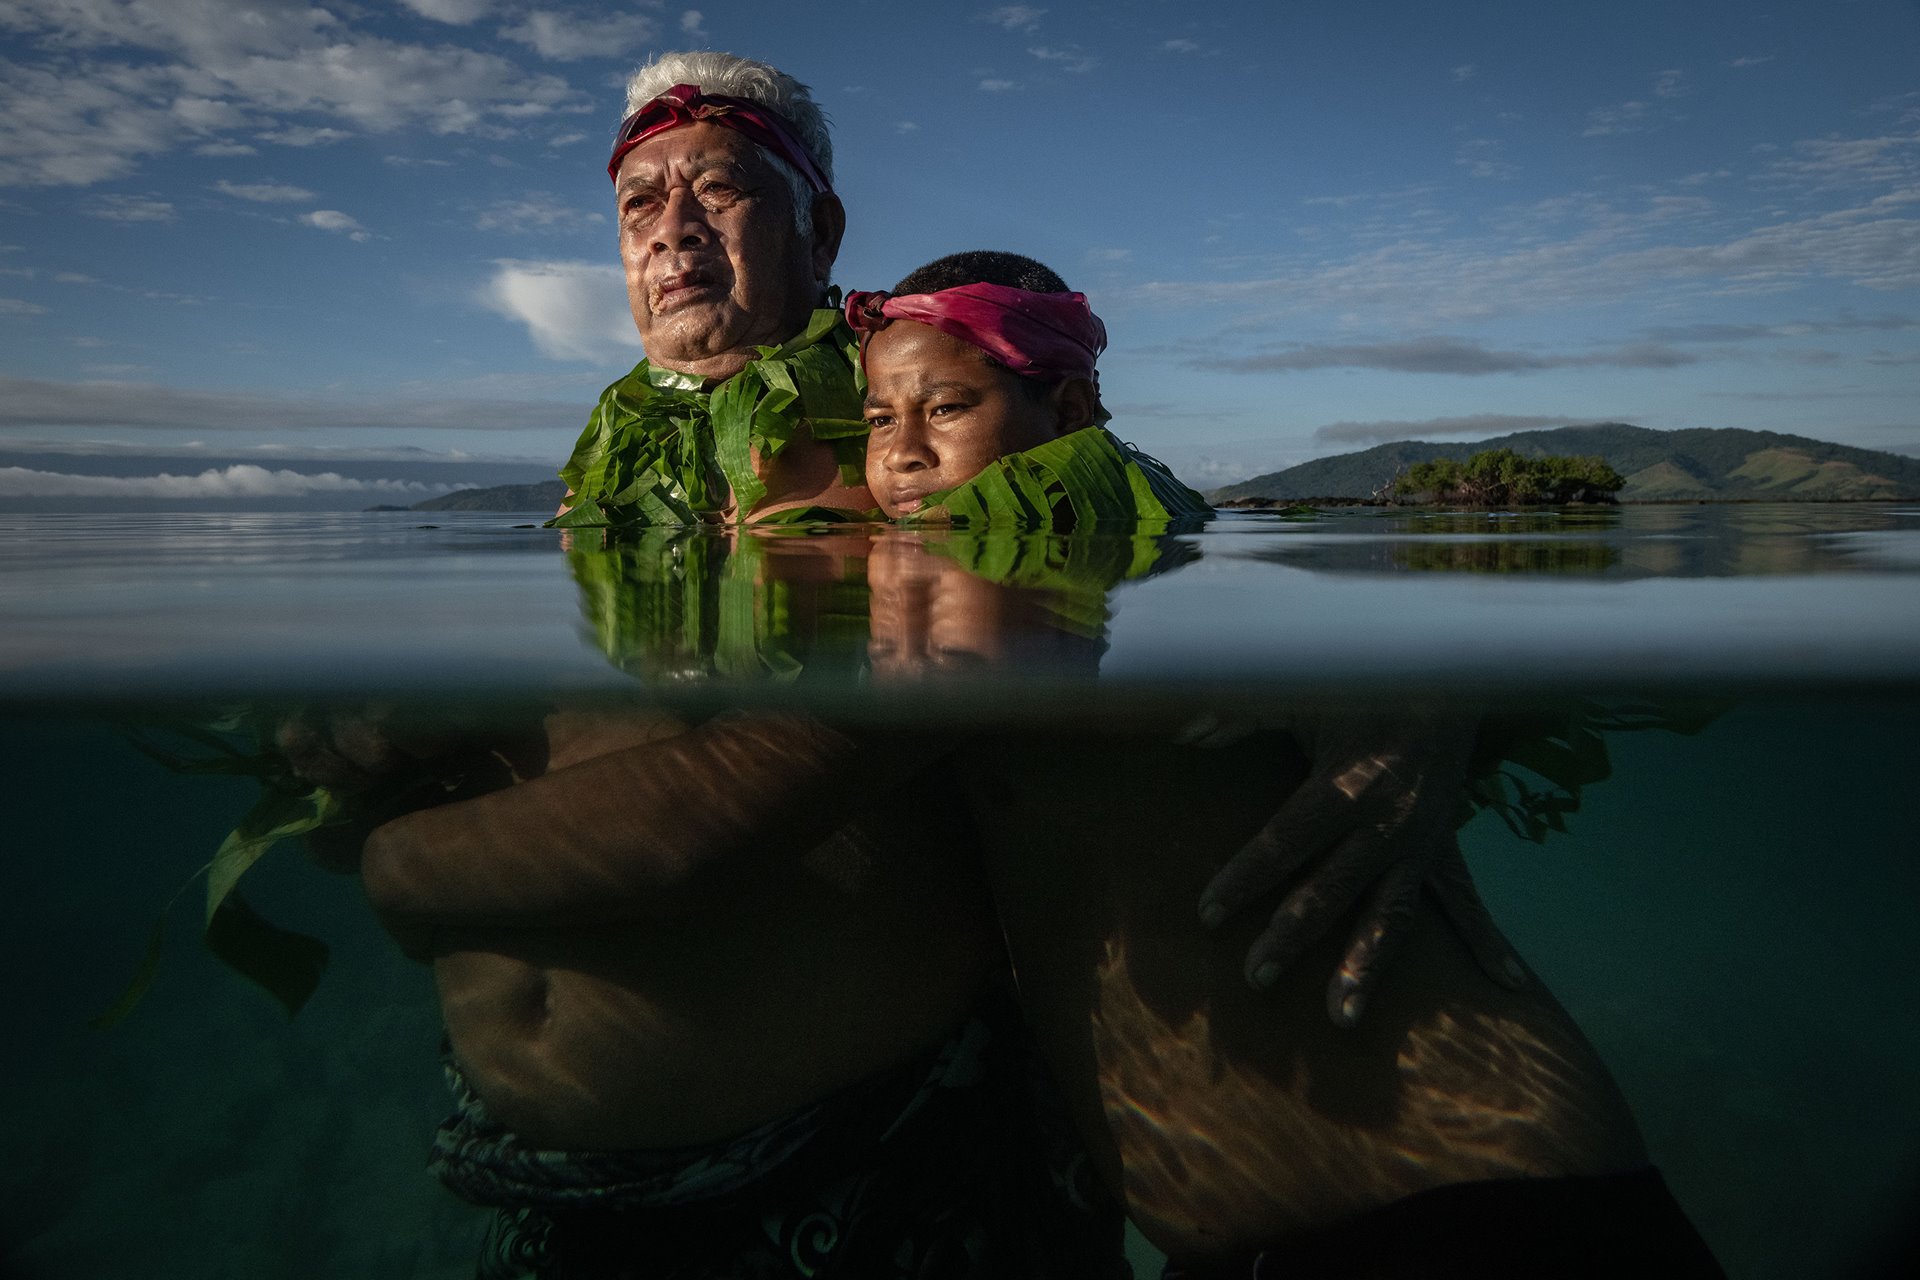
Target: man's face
(938, 414)
(713, 265)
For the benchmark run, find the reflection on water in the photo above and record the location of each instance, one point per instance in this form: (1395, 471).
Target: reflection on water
(1682, 541)
(826, 609)
(125, 607)
(1725, 915)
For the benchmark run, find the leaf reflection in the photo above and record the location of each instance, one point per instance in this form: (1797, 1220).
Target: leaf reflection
(783, 605)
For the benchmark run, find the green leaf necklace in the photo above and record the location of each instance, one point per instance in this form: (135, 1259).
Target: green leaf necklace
(660, 449)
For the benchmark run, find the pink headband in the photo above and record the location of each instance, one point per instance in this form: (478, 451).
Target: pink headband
(1037, 335)
(684, 104)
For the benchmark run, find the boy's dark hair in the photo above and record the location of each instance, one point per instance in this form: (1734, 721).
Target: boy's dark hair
(987, 266)
(982, 266)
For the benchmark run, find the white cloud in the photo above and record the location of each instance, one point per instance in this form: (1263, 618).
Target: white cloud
(242, 480)
(1444, 354)
(226, 149)
(209, 115)
(1465, 72)
(996, 86)
(124, 208)
(14, 307)
(1014, 17)
(1180, 46)
(264, 192)
(1832, 163)
(128, 80)
(304, 135)
(1752, 60)
(692, 24)
(1570, 253)
(1628, 117)
(905, 126)
(564, 37)
(42, 403)
(336, 221)
(1639, 115)
(63, 130)
(457, 13)
(74, 277)
(1074, 59)
(572, 310)
(535, 211)
(566, 139)
(1484, 158)
(127, 456)
(1477, 424)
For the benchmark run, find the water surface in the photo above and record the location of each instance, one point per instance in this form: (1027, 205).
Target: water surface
(1728, 915)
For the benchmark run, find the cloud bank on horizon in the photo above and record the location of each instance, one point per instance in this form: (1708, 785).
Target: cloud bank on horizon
(240, 480)
(387, 226)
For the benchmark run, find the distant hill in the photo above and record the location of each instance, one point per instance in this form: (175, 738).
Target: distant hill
(544, 497)
(1711, 463)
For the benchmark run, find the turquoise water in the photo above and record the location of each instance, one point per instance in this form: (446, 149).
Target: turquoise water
(1729, 917)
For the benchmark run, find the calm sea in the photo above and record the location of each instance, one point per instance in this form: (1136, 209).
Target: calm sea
(1729, 915)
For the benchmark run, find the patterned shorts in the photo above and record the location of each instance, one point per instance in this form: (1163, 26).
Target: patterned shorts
(956, 1165)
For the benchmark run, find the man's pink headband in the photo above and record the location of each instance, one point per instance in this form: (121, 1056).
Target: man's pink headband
(684, 104)
(1037, 335)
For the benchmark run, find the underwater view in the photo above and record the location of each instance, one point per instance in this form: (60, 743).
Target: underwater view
(992, 642)
(1691, 736)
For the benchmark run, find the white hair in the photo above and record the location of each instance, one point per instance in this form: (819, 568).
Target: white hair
(738, 77)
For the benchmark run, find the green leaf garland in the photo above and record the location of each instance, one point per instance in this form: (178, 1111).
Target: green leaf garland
(660, 449)
(1082, 481)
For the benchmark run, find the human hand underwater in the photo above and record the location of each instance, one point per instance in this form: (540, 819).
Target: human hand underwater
(384, 760)
(356, 749)
(1373, 823)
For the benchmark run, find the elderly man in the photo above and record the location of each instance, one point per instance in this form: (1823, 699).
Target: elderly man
(721, 999)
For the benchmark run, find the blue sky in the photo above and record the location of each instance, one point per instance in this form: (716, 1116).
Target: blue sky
(372, 241)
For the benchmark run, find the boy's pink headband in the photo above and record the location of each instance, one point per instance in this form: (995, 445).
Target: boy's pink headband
(684, 104)
(1037, 335)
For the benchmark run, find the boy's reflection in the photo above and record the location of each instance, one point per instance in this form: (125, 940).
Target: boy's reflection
(932, 618)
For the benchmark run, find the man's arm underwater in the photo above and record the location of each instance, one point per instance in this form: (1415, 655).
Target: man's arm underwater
(642, 832)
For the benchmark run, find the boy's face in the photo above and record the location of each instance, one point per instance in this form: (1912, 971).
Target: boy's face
(939, 413)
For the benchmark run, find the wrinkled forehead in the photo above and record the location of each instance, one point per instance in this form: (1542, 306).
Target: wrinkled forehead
(690, 150)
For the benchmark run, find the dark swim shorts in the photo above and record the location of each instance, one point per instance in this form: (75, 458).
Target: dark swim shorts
(951, 1166)
(1621, 1225)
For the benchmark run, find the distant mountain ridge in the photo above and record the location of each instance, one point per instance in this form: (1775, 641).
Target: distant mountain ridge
(1722, 463)
(544, 496)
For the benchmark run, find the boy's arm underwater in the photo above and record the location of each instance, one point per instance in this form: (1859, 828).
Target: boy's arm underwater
(1230, 1117)
(1370, 827)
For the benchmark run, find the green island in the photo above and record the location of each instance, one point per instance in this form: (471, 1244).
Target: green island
(1504, 478)
(1698, 464)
